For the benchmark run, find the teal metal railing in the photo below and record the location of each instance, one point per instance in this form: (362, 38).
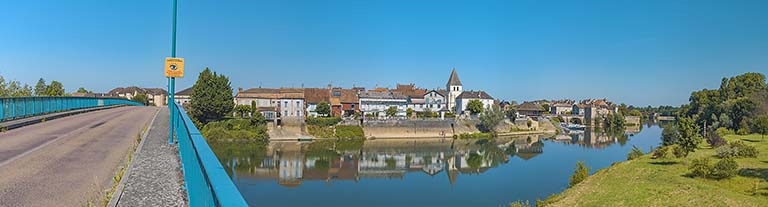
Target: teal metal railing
(204, 177)
(22, 107)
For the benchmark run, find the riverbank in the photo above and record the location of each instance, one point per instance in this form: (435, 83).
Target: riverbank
(653, 182)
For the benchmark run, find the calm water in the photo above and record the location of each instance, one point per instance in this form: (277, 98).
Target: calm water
(419, 174)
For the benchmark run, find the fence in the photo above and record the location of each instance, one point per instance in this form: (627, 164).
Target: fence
(204, 177)
(22, 107)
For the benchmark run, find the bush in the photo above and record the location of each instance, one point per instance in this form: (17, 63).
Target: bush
(349, 132)
(737, 149)
(722, 132)
(580, 174)
(475, 136)
(725, 168)
(679, 152)
(323, 121)
(726, 151)
(701, 167)
(662, 152)
(635, 153)
(744, 150)
(520, 204)
(716, 140)
(320, 131)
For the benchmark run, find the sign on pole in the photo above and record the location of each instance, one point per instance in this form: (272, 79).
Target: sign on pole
(174, 67)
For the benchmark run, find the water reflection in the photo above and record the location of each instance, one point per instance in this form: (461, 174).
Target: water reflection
(290, 164)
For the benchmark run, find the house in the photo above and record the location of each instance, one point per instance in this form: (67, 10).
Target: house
(155, 96)
(274, 102)
(315, 96)
(183, 97)
(415, 96)
(374, 103)
(462, 101)
(344, 102)
(578, 109)
(435, 101)
(561, 107)
(530, 109)
(454, 89)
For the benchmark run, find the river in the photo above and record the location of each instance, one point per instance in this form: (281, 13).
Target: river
(424, 173)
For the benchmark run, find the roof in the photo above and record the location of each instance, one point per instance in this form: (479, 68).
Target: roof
(529, 106)
(454, 79)
(185, 92)
(347, 95)
(474, 95)
(272, 93)
(316, 95)
(134, 89)
(382, 95)
(410, 90)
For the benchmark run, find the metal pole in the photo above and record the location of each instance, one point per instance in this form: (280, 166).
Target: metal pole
(172, 82)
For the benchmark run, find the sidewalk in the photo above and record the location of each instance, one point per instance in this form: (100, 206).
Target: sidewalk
(154, 178)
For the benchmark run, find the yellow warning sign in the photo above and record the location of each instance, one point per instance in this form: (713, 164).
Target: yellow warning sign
(174, 67)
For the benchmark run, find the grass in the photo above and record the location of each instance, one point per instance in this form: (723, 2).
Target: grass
(665, 182)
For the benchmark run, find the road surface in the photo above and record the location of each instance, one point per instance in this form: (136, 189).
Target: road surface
(68, 161)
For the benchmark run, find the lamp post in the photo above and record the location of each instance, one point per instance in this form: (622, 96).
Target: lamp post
(172, 81)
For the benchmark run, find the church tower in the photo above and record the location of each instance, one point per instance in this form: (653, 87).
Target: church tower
(454, 89)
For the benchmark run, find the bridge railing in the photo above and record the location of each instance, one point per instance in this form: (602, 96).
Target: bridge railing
(204, 177)
(22, 107)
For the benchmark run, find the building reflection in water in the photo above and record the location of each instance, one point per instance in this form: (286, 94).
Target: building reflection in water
(290, 167)
(596, 138)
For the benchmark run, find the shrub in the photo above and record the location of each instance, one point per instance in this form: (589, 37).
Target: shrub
(726, 151)
(320, 131)
(744, 150)
(520, 204)
(580, 174)
(679, 152)
(662, 152)
(716, 140)
(700, 167)
(323, 121)
(722, 132)
(635, 153)
(725, 168)
(475, 136)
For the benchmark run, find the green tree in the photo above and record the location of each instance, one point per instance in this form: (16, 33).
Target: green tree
(689, 138)
(391, 111)
(211, 97)
(55, 89)
(760, 125)
(491, 118)
(141, 98)
(323, 108)
(580, 174)
(3, 87)
(409, 112)
(242, 110)
(475, 106)
(82, 90)
(475, 161)
(40, 87)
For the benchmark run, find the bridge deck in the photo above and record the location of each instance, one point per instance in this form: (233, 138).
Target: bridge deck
(67, 161)
(154, 178)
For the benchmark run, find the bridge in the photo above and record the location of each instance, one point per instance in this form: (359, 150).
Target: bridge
(80, 151)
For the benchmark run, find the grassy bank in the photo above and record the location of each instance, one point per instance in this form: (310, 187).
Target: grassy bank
(657, 182)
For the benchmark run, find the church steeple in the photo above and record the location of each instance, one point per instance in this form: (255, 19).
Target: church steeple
(454, 79)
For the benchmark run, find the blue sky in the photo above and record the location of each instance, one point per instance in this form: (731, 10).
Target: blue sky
(637, 52)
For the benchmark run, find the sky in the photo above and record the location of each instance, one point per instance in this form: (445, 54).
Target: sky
(651, 52)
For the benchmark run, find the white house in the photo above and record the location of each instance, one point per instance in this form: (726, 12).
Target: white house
(465, 97)
(435, 101)
(282, 102)
(377, 103)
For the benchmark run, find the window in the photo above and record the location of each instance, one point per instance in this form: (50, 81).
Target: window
(298, 113)
(352, 106)
(286, 113)
(285, 104)
(298, 105)
(337, 93)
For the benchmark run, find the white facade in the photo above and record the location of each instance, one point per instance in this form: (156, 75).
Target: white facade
(287, 107)
(461, 104)
(453, 92)
(378, 102)
(434, 101)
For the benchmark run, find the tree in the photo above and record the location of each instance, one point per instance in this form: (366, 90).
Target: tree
(475, 106)
(55, 89)
(391, 111)
(760, 125)
(40, 87)
(211, 97)
(725, 121)
(141, 98)
(3, 87)
(688, 135)
(242, 110)
(409, 112)
(491, 118)
(323, 108)
(82, 90)
(580, 174)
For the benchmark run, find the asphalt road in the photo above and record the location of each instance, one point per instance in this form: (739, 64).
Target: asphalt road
(67, 161)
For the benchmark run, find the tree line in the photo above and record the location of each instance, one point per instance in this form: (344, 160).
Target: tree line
(14, 88)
